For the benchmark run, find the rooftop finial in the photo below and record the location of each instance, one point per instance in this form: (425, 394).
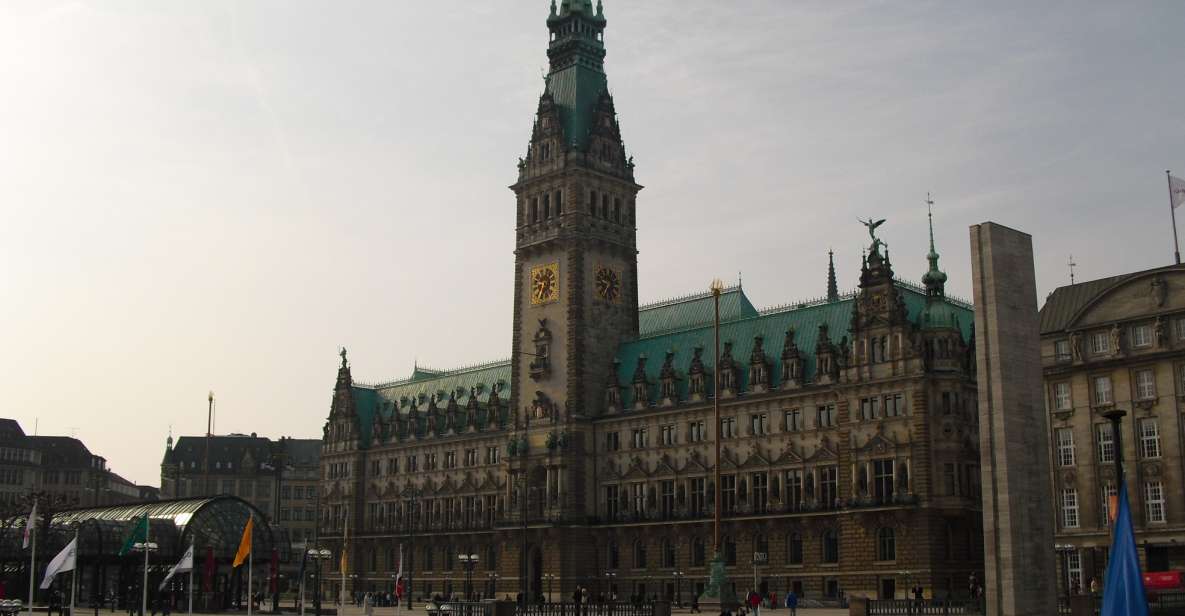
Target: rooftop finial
(832, 285)
(342, 352)
(930, 218)
(934, 279)
(1072, 265)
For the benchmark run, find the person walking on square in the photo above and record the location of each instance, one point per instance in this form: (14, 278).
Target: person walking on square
(792, 603)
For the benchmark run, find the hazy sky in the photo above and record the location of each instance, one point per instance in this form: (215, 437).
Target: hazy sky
(217, 195)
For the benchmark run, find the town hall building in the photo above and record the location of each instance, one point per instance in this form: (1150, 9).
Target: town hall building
(850, 445)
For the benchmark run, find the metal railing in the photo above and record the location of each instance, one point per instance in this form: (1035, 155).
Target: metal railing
(879, 607)
(486, 608)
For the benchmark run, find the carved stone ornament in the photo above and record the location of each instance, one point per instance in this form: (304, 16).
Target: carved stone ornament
(1152, 469)
(1068, 478)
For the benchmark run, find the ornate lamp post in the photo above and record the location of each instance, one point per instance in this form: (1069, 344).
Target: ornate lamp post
(550, 577)
(469, 562)
(717, 590)
(678, 575)
(318, 555)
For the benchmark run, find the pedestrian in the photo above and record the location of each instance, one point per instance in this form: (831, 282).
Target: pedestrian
(773, 600)
(1094, 585)
(695, 604)
(368, 605)
(792, 603)
(754, 601)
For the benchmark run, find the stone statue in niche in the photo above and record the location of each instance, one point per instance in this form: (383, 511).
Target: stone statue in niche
(1116, 339)
(1158, 291)
(542, 407)
(1076, 345)
(540, 367)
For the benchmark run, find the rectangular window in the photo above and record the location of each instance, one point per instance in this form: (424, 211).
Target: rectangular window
(1061, 396)
(882, 480)
(612, 502)
(1105, 439)
(450, 459)
(759, 424)
(828, 485)
(698, 495)
(1069, 508)
(794, 489)
(1061, 350)
(793, 420)
(825, 416)
(612, 441)
(493, 454)
(868, 409)
(947, 407)
(1154, 501)
(949, 480)
(728, 427)
(1065, 446)
(639, 438)
(760, 492)
(1074, 570)
(1149, 438)
(668, 434)
(1145, 384)
(668, 497)
(638, 498)
(894, 405)
(1100, 343)
(1102, 391)
(728, 493)
(1141, 336)
(695, 432)
(470, 457)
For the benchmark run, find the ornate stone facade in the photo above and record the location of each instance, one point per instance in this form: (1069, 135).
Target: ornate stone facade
(849, 429)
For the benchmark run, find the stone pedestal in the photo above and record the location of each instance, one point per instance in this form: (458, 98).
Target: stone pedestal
(1019, 570)
(718, 594)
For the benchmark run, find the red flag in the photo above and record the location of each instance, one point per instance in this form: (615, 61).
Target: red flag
(274, 571)
(208, 577)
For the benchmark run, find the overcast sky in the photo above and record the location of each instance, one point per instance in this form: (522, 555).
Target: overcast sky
(217, 195)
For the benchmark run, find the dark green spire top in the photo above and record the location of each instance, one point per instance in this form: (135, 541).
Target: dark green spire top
(832, 286)
(934, 279)
(576, 80)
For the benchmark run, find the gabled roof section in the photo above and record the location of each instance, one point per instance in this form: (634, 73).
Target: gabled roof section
(693, 310)
(1065, 303)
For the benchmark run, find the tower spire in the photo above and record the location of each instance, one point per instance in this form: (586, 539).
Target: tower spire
(934, 279)
(832, 286)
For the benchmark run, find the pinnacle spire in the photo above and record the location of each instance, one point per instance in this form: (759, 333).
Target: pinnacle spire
(934, 279)
(832, 286)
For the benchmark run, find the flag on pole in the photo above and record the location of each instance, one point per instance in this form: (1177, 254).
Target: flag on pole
(1123, 588)
(1176, 190)
(139, 535)
(245, 543)
(399, 576)
(30, 525)
(61, 563)
(183, 565)
(208, 571)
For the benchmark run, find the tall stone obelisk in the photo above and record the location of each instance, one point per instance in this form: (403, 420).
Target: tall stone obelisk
(1013, 427)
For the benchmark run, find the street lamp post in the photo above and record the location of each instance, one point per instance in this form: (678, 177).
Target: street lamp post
(469, 561)
(317, 555)
(678, 575)
(609, 575)
(550, 577)
(147, 548)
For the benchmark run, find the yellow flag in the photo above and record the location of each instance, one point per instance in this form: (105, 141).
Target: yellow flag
(344, 560)
(245, 545)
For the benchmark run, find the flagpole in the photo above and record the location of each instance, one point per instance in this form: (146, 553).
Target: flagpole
(193, 552)
(74, 573)
(1173, 211)
(32, 553)
(250, 567)
(144, 599)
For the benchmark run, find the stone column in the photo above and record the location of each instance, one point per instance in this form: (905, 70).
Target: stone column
(1014, 430)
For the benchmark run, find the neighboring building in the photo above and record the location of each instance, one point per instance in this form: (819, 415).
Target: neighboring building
(60, 469)
(278, 477)
(1118, 342)
(849, 426)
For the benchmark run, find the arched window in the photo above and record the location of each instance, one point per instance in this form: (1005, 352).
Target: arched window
(640, 554)
(697, 552)
(886, 544)
(668, 553)
(794, 548)
(614, 556)
(830, 546)
(730, 551)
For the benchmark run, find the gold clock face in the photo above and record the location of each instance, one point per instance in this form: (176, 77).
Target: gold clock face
(545, 283)
(608, 284)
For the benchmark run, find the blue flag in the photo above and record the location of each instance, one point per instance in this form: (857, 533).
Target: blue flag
(1123, 589)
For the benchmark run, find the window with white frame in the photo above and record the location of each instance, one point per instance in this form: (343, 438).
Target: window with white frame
(695, 431)
(668, 434)
(825, 416)
(894, 405)
(1074, 569)
(1100, 343)
(759, 424)
(728, 427)
(793, 420)
(1154, 501)
(868, 408)
(638, 498)
(1141, 336)
(1061, 350)
(1105, 439)
(1069, 507)
(1149, 438)
(1145, 384)
(639, 438)
(1102, 391)
(1061, 396)
(1065, 446)
(1179, 329)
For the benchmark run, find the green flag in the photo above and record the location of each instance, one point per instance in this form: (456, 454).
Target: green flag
(139, 535)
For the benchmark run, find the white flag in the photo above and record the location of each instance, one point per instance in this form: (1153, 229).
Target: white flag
(185, 564)
(1176, 191)
(61, 563)
(30, 524)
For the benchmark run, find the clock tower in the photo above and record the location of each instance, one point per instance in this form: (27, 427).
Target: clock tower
(576, 272)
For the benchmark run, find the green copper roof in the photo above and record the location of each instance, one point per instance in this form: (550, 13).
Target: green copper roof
(771, 326)
(425, 383)
(693, 310)
(576, 90)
